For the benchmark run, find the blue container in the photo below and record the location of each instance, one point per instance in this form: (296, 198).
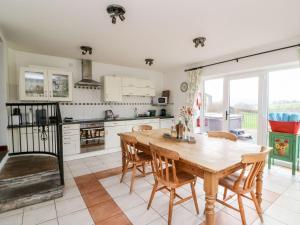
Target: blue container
(285, 117)
(294, 117)
(272, 116)
(279, 117)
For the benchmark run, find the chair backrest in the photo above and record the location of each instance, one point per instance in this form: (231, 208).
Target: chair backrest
(164, 163)
(129, 143)
(256, 162)
(141, 128)
(222, 134)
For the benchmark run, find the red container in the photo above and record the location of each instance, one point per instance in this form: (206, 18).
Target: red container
(285, 127)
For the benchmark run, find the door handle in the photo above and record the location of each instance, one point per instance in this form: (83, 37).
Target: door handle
(226, 115)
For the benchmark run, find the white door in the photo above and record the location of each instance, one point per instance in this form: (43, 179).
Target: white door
(60, 85)
(33, 84)
(234, 104)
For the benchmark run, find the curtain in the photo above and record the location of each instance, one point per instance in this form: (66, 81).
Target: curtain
(194, 82)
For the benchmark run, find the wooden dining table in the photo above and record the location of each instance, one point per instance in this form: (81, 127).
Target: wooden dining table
(208, 158)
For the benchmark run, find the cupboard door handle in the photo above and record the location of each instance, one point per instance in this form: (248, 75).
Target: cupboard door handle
(226, 115)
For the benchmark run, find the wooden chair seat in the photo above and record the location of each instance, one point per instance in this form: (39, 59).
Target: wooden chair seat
(230, 181)
(182, 178)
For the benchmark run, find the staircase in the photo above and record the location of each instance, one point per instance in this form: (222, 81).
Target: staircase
(27, 180)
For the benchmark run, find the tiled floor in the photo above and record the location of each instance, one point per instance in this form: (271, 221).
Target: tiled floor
(94, 195)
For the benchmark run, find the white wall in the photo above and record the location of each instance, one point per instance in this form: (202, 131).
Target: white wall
(3, 90)
(269, 61)
(17, 59)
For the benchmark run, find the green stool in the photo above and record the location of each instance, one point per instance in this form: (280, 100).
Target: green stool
(285, 147)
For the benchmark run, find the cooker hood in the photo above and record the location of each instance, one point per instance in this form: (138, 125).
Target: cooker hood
(87, 75)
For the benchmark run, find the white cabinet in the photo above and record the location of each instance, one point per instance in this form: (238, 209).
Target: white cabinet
(137, 87)
(71, 139)
(166, 123)
(112, 139)
(41, 84)
(112, 89)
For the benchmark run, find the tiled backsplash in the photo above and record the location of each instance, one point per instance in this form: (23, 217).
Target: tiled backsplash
(88, 103)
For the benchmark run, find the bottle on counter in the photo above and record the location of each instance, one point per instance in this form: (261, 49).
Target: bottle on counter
(173, 132)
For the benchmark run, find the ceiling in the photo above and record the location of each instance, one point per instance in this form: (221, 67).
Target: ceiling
(159, 29)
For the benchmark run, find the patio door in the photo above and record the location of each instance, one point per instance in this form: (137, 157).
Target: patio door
(243, 106)
(234, 104)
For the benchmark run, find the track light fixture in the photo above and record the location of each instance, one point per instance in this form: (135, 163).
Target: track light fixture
(116, 11)
(86, 49)
(199, 41)
(149, 61)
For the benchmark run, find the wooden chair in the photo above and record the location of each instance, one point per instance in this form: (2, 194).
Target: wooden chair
(141, 128)
(244, 181)
(222, 134)
(167, 175)
(133, 156)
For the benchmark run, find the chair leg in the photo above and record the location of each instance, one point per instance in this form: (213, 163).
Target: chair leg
(257, 206)
(195, 197)
(132, 177)
(144, 174)
(125, 171)
(171, 203)
(152, 194)
(225, 193)
(242, 211)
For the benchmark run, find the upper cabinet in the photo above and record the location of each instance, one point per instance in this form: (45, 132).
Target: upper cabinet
(41, 84)
(137, 87)
(112, 89)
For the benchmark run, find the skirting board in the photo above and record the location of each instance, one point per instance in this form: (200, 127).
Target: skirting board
(91, 154)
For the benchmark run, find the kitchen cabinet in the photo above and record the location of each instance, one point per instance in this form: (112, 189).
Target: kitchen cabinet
(71, 139)
(112, 88)
(137, 87)
(112, 139)
(42, 84)
(166, 123)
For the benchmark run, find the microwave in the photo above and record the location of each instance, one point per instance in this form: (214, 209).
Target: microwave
(160, 100)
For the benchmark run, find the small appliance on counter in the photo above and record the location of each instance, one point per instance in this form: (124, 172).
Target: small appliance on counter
(163, 112)
(68, 119)
(159, 101)
(41, 116)
(109, 115)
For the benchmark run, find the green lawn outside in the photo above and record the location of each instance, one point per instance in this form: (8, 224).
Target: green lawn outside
(249, 120)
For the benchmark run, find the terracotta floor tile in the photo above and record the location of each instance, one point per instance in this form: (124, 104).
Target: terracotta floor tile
(108, 173)
(120, 219)
(85, 179)
(88, 187)
(104, 211)
(223, 218)
(96, 197)
(269, 196)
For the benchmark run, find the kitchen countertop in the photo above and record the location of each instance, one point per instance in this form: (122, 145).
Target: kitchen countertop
(117, 119)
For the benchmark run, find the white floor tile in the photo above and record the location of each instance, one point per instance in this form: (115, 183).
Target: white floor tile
(11, 213)
(267, 221)
(129, 201)
(50, 222)
(81, 217)
(15, 219)
(39, 215)
(140, 215)
(110, 181)
(283, 215)
(68, 206)
(182, 216)
(118, 190)
(159, 221)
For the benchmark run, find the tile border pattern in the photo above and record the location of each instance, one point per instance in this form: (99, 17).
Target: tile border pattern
(105, 211)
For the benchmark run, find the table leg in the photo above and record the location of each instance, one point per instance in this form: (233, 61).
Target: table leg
(259, 185)
(211, 189)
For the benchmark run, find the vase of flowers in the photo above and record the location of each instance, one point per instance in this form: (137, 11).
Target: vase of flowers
(186, 115)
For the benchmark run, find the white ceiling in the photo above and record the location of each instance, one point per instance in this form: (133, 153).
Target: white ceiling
(161, 29)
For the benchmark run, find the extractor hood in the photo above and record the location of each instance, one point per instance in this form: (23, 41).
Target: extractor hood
(87, 75)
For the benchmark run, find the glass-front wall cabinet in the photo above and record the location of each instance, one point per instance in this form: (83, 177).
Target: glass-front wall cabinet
(42, 84)
(60, 85)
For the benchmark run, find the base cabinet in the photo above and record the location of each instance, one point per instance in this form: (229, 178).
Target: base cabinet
(285, 147)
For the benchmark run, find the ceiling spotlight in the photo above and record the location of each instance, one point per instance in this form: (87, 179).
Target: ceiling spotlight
(116, 11)
(86, 49)
(113, 19)
(199, 41)
(149, 61)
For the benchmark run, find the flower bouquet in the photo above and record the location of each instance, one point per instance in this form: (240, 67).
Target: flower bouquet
(186, 115)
